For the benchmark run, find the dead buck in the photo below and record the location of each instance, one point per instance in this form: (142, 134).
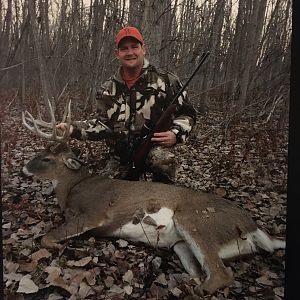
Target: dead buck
(203, 229)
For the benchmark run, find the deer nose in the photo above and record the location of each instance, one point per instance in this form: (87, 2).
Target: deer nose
(25, 172)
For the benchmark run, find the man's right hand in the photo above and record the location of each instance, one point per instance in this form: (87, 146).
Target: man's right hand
(63, 127)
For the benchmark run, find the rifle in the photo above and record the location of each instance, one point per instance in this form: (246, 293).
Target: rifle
(140, 153)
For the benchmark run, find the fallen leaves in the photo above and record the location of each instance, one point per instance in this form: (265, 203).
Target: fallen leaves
(235, 168)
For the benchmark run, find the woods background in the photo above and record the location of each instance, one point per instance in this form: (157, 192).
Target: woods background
(61, 50)
(65, 48)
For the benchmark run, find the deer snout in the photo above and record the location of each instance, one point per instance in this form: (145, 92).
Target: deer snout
(25, 172)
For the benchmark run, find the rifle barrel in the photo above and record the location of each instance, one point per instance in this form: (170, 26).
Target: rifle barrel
(202, 60)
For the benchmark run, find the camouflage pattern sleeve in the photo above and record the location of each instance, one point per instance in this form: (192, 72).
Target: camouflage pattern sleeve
(96, 129)
(91, 130)
(185, 117)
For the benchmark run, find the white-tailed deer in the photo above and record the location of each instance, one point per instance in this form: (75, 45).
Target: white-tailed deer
(201, 228)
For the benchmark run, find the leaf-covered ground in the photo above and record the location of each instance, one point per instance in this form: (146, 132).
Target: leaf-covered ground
(245, 162)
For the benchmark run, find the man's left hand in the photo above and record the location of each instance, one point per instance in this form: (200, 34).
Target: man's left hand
(166, 138)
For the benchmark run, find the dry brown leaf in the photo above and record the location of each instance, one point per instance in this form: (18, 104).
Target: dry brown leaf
(119, 254)
(55, 297)
(27, 286)
(58, 281)
(28, 267)
(31, 221)
(156, 262)
(158, 291)
(264, 280)
(90, 275)
(128, 276)
(161, 279)
(85, 290)
(128, 289)
(115, 289)
(226, 291)
(6, 226)
(176, 292)
(279, 291)
(122, 243)
(12, 276)
(42, 253)
(79, 263)
(10, 266)
(271, 274)
(275, 210)
(10, 241)
(54, 273)
(109, 281)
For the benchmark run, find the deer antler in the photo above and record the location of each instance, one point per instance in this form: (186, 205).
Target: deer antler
(36, 125)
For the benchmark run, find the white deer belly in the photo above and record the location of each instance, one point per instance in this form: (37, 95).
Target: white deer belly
(162, 234)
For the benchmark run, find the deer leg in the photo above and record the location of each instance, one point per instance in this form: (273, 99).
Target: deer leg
(206, 252)
(72, 227)
(187, 258)
(217, 275)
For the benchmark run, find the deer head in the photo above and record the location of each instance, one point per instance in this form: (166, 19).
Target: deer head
(56, 161)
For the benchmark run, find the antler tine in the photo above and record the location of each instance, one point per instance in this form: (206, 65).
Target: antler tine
(66, 119)
(27, 118)
(37, 121)
(55, 137)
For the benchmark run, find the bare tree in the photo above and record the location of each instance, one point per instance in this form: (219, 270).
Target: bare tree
(45, 81)
(136, 8)
(73, 51)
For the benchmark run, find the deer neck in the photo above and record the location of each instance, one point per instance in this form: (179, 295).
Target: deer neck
(63, 186)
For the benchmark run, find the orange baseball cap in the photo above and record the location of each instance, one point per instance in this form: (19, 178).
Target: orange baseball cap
(129, 32)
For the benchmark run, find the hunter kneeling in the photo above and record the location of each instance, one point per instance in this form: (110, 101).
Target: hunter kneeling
(129, 105)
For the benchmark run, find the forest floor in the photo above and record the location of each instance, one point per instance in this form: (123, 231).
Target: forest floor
(245, 162)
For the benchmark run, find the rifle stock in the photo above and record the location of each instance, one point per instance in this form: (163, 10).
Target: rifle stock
(141, 152)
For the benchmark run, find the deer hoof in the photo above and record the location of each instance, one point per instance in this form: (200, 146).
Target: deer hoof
(198, 290)
(211, 285)
(48, 242)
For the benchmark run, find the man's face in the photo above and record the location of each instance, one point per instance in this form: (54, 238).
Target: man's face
(130, 53)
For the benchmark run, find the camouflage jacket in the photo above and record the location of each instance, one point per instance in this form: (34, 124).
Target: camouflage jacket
(128, 110)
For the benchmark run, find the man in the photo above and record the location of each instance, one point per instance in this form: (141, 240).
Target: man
(130, 103)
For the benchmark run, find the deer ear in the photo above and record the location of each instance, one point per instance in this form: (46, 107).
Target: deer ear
(72, 163)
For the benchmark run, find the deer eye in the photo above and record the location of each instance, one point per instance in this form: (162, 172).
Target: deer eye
(46, 159)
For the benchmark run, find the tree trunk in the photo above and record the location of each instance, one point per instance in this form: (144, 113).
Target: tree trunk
(152, 29)
(136, 8)
(47, 93)
(251, 43)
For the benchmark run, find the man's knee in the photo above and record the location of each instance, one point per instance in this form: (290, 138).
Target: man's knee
(113, 169)
(162, 163)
